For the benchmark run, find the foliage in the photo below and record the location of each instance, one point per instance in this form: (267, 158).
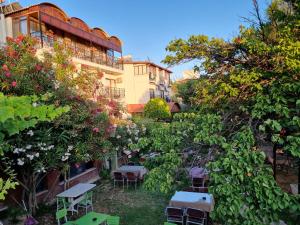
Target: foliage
(64, 136)
(16, 115)
(186, 90)
(157, 108)
(249, 93)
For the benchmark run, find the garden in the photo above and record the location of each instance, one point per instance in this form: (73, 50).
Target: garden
(242, 117)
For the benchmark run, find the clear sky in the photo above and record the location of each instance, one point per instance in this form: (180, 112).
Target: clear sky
(147, 26)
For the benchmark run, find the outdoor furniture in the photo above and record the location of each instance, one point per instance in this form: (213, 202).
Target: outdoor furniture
(118, 177)
(62, 214)
(201, 201)
(86, 202)
(198, 172)
(92, 218)
(131, 178)
(139, 171)
(197, 182)
(167, 223)
(61, 203)
(75, 194)
(113, 220)
(195, 216)
(175, 214)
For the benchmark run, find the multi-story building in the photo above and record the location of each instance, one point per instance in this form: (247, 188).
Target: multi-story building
(93, 49)
(144, 80)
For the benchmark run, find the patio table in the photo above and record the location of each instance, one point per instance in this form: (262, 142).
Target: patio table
(139, 171)
(92, 218)
(198, 172)
(183, 199)
(75, 194)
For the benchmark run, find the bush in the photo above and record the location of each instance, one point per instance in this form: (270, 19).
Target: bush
(157, 108)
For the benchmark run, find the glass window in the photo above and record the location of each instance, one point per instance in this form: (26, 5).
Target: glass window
(140, 70)
(152, 93)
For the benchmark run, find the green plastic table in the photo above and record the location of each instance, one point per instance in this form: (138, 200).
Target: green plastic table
(88, 219)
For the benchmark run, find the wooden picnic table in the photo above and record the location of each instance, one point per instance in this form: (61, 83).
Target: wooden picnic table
(75, 194)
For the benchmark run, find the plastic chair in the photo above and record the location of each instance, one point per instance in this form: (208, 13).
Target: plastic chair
(131, 177)
(61, 203)
(62, 214)
(86, 202)
(113, 220)
(167, 223)
(118, 177)
(175, 215)
(195, 216)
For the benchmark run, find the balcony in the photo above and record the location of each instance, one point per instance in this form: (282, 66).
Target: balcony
(152, 77)
(84, 53)
(113, 92)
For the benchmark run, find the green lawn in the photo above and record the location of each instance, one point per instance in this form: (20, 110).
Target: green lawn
(135, 207)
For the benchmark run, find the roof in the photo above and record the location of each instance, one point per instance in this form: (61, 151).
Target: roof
(139, 108)
(55, 16)
(147, 63)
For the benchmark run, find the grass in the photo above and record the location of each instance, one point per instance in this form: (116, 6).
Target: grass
(135, 207)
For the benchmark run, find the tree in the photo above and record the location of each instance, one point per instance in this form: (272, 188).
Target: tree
(253, 84)
(18, 114)
(157, 108)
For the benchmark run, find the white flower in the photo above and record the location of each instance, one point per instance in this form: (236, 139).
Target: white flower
(67, 154)
(37, 154)
(30, 133)
(34, 104)
(70, 147)
(64, 158)
(127, 152)
(118, 137)
(20, 162)
(136, 138)
(129, 156)
(28, 146)
(50, 147)
(30, 157)
(16, 151)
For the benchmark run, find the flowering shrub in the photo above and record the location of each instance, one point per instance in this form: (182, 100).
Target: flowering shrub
(21, 72)
(126, 136)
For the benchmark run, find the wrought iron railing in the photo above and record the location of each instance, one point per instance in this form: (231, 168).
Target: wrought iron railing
(113, 92)
(81, 52)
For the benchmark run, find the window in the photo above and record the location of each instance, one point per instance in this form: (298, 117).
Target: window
(20, 26)
(77, 168)
(152, 93)
(140, 70)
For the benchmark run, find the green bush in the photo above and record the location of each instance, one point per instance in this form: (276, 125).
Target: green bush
(157, 108)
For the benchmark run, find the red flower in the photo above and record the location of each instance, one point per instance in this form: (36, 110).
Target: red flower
(96, 129)
(14, 83)
(8, 74)
(38, 67)
(5, 68)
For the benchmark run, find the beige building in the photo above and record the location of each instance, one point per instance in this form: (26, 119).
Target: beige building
(144, 80)
(93, 49)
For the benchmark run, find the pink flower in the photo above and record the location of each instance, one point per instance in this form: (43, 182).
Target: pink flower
(5, 68)
(38, 67)
(8, 74)
(14, 83)
(96, 129)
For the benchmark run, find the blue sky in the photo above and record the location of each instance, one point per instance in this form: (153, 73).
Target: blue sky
(147, 26)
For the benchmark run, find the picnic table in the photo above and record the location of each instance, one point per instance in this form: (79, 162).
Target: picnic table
(139, 171)
(92, 218)
(183, 199)
(75, 194)
(198, 172)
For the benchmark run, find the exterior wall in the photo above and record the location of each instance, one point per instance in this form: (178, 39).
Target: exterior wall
(136, 86)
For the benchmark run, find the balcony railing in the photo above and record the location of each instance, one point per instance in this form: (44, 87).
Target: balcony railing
(82, 53)
(113, 92)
